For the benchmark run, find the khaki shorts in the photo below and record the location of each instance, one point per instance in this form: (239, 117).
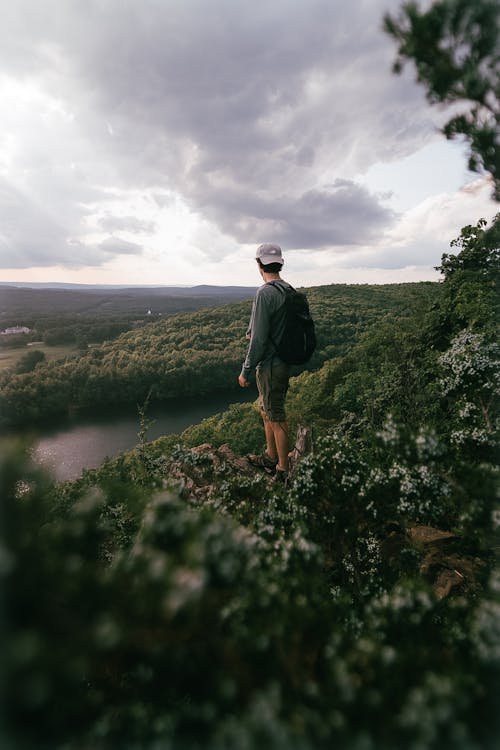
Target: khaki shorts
(272, 382)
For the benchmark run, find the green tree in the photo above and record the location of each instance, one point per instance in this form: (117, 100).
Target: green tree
(470, 291)
(454, 46)
(475, 254)
(29, 361)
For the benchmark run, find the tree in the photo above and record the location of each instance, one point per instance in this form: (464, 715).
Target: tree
(475, 255)
(454, 46)
(29, 361)
(471, 277)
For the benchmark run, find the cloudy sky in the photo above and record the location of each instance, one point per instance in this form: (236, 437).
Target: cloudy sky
(160, 141)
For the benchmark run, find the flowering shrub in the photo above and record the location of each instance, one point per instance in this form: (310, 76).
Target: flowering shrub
(392, 478)
(471, 379)
(197, 620)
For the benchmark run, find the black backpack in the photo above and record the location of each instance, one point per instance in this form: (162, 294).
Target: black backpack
(299, 337)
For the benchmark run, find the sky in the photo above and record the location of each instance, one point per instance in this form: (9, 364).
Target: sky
(161, 141)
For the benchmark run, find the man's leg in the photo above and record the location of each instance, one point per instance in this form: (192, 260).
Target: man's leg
(272, 382)
(271, 445)
(280, 436)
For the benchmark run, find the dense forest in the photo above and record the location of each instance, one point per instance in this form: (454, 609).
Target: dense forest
(173, 599)
(191, 354)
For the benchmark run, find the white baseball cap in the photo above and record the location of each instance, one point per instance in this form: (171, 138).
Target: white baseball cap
(269, 253)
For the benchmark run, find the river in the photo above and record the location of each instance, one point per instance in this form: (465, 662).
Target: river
(84, 442)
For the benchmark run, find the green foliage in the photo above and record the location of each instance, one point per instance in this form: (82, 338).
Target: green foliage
(388, 370)
(475, 255)
(471, 381)
(240, 426)
(29, 361)
(471, 289)
(194, 354)
(259, 617)
(400, 367)
(454, 46)
(87, 331)
(118, 653)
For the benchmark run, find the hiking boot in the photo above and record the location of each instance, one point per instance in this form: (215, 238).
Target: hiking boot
(263, 461)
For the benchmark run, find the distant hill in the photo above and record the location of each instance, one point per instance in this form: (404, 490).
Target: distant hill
(175, 291)
(22, 300)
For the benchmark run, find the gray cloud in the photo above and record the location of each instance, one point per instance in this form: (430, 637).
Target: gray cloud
(110, 223)
(117, 246)
(31, 235)
(27, 231)
(412, 254)
(341, 214)
(346, 215)
(246, 110)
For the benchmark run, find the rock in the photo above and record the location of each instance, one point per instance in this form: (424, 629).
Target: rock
(428, 535)
(226, 458)
(448, 571)
(204, 466)
(446, 581)
(302, 446)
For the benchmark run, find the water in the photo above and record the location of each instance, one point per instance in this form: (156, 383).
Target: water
(84, 443)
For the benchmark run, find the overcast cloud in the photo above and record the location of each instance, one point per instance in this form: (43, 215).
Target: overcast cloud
(138, 128)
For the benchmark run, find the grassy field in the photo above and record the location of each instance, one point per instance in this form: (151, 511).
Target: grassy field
(10, 357)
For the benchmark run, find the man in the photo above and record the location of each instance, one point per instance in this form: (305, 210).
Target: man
(267, 323)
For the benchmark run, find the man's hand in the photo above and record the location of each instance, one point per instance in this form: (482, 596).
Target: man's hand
(243, 382)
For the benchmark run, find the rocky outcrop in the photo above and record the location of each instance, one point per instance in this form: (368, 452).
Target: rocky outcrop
(203, 467)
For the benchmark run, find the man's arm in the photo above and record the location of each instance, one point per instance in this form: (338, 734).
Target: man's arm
(258, 337)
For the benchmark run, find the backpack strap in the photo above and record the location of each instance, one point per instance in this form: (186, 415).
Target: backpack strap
(283, 289)
(278, 285)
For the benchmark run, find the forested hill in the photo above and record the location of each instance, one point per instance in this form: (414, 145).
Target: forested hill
(77, 315)
(78, 299)
(196, 353)
(91, 314)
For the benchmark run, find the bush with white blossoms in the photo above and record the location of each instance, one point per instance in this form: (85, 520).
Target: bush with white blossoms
(471, 382)
(393, 476)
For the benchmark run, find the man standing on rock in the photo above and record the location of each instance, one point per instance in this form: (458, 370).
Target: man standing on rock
(267, 323)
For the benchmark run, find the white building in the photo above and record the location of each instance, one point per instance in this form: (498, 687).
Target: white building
(14, 329)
